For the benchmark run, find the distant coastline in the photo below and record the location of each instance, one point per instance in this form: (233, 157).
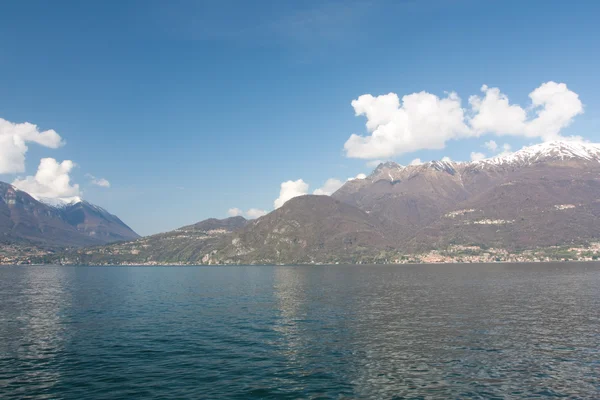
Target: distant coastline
(452, 255)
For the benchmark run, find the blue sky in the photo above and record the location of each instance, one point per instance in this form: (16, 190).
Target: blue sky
(191, 108)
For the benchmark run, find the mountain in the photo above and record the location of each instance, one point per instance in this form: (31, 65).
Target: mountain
(211, 224)
(405, 198)
(96, 222)
(307, 229)
(540, 197)
(188, 244)
(23, 219)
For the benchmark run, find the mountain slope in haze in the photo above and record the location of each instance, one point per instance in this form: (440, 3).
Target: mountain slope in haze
(25, 220)
(96, 222)
(188, 244)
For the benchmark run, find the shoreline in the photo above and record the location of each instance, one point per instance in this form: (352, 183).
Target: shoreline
(300, 264)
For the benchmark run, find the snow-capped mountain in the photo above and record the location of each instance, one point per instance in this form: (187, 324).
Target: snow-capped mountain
(95, 221)
(543, 152)
(56, 222)
(59, 202)
(557, 150)
(545, 194)
(541, 196)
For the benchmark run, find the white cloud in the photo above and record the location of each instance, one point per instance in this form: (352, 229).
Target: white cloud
(495, 148)
(13, 143)
(289, 190)
(491, 145)
(101, 182)
(330, 186)
(234, 212)
(476, 156)
(495, 114)
(422, 121)
(416, 161)
(255, 213)
(555, 106)
(359, 176)
(446, 159)
(98, 181)
(50, 181)
(425, 121)
(251, 213)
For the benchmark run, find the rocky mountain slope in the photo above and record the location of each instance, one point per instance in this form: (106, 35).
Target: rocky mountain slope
(25, 220)
(307, 229)
(543, 195)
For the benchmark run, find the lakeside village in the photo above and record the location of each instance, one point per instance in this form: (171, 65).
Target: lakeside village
(20, 255)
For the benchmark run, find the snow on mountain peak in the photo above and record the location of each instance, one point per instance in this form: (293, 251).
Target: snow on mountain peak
(561, 150)
(547, 151)
(59, 202)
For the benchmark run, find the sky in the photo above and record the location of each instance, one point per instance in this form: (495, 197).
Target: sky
(167, 113)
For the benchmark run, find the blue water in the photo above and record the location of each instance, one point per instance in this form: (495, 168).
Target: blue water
(446, 331)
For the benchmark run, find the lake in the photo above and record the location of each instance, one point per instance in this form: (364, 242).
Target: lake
(410, 331)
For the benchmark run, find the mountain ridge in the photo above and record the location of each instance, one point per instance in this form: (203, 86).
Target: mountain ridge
(26, 220)
(538, 197)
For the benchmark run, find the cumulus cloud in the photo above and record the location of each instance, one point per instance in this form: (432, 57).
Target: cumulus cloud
(359, 176)
(289, 190)
(446, 159)
(330, 186)
(421, 121)
(495, 114)
(251, 213)
(553, 107)
(426, 121)
(13, 143)
(255, 213)
(101, 182)
(234, 212)
(491, 145)
(51, 180)
(476, 156)
(98, 181)
(416, 161)
(494, 147)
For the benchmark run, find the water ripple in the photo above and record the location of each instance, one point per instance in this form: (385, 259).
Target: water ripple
(457, 331)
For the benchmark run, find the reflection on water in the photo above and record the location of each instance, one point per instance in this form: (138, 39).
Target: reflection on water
(290, 291)
(446, 331)
(35, 314)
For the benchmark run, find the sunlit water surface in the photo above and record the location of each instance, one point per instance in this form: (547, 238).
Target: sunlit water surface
(444, 331)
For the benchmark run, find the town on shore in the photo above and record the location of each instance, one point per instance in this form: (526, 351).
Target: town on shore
(19, 255)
